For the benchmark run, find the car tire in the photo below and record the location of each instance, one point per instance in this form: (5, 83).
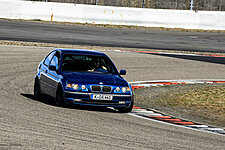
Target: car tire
(59, 100)
(126, 109)
(37, 90)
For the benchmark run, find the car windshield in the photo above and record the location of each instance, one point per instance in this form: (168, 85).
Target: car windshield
(87, 63)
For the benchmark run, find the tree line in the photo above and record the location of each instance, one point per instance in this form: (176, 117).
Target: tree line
(209, 5)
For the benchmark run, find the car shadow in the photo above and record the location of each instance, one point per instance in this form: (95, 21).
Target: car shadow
(44, 100)
(48, 101)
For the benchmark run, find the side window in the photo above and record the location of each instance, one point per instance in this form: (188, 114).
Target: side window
(48, 58)
(55, 62)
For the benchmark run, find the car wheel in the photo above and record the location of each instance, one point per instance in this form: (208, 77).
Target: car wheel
(126, 109)
(37, 90)
(59, 100)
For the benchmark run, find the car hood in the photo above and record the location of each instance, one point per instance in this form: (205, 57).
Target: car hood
(94, 78)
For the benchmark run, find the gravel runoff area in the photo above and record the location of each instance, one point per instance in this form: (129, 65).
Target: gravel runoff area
(200, 103)
(157, 98)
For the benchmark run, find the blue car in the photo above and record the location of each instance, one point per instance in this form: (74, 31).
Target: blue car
(83, 77)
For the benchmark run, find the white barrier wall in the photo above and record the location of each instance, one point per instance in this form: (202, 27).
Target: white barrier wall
(64, 12)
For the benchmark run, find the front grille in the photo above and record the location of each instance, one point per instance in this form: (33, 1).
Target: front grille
(104, 89)
(96, 88)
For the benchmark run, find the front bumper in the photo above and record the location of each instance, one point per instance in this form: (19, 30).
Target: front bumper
(81, 98)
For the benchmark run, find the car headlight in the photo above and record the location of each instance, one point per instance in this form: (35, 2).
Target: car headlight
(75, 86)
(117, 89)
(83, 87)
(124, 89)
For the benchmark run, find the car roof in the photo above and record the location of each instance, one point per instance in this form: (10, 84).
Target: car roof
(81, 51)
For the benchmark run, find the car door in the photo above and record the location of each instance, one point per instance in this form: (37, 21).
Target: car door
(53, 77)
(44, 73)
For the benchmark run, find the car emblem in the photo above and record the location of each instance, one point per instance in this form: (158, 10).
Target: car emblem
(100, 83)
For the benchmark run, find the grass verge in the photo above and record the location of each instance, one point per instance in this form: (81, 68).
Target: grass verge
(199, 103)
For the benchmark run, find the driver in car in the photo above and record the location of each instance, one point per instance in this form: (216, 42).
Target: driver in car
(97, 66)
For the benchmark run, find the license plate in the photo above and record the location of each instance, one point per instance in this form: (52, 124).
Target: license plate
(101, 97)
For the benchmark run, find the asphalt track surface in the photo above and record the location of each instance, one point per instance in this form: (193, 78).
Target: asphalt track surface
(26, 123)
(113, 37)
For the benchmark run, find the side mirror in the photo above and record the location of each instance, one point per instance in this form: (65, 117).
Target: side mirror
(123, 72)
(52, 68)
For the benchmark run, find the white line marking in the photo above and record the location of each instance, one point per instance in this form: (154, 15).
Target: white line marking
(138, 110)
(197, 126)
(215, 129)
(148, 114)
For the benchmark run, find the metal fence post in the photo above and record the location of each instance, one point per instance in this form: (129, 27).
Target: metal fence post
(191, 4)
(143, 4)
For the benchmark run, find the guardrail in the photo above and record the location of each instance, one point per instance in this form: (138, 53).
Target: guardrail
(63, 12)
